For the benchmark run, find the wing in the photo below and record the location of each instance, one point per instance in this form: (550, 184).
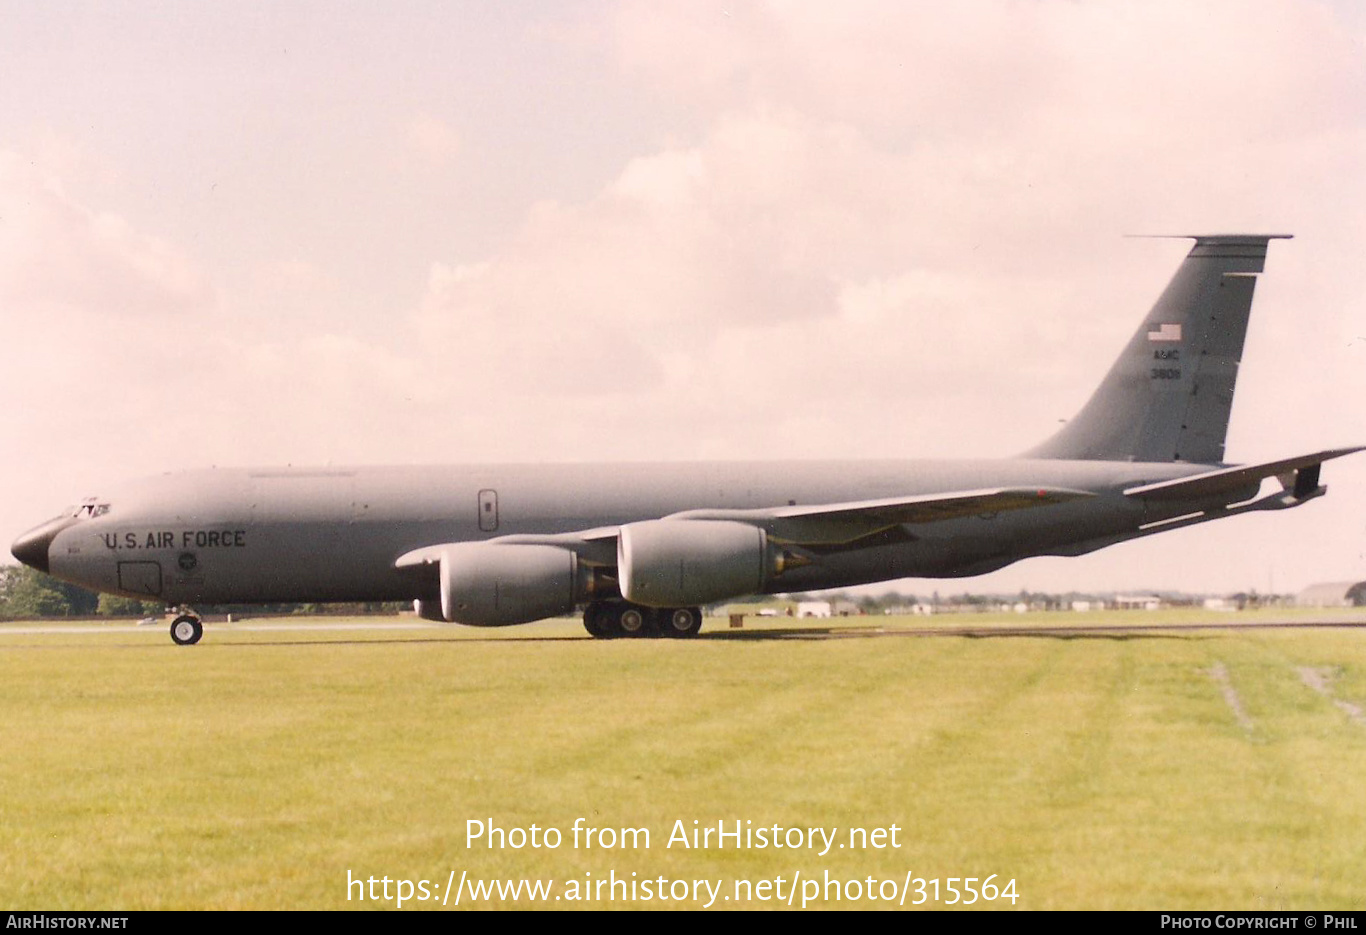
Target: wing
(838, 523)
(824, 524)
(678, 561)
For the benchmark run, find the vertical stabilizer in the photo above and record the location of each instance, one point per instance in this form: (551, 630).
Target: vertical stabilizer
(1169, 395)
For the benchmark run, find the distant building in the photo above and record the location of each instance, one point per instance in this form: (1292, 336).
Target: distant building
(1137, 601)
(909, 610)
(1333, 594)
(813, 609)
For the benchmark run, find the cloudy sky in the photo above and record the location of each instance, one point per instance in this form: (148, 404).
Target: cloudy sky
(371, 233)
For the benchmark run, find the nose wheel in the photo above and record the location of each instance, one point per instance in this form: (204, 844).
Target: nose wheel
(186, 630)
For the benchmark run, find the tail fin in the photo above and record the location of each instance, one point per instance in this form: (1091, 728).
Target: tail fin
(1168, 396)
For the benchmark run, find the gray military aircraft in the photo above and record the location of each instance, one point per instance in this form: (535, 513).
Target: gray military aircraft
(642, 546)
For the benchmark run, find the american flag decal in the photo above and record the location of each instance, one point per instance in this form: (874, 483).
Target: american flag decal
(1166, 332)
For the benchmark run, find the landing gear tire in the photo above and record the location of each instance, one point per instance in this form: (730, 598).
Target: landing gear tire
(633, 621)
(598, 620)
(609, 620)
(186, 630)
(680, 622)
(590, 621)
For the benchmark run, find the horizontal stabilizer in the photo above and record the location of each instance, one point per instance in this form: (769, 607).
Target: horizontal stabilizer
(1293, 472)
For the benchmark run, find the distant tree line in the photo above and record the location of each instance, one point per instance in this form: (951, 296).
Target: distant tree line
(26, 593)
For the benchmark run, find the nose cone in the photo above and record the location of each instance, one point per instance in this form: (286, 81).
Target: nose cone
(31, 548)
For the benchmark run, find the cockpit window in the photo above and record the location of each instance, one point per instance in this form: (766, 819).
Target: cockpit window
(89, 508)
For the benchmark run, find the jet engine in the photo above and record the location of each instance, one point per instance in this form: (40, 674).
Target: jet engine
(684, 563)
(491, 585)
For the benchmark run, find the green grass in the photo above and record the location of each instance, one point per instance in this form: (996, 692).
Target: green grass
(256, 769)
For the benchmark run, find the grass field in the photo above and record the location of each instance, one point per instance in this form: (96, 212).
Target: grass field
(1191, 769)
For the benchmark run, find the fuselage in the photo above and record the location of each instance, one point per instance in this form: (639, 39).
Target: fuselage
(292, 534)
(641, 547)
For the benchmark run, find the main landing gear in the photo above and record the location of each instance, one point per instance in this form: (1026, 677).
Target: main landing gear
(186, 628)
(614, 619)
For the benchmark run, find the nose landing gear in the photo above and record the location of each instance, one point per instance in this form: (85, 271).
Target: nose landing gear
(186, 628)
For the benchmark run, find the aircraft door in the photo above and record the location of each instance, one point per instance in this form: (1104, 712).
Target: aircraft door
(488, 510)
(140, 578)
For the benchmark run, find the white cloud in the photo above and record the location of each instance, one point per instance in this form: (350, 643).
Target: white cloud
(432, 141)
(57, 256)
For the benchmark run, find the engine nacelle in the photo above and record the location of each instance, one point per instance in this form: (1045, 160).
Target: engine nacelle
(684, 562)
(490, 585)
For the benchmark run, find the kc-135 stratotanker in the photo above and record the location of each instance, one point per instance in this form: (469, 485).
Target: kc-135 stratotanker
(641, 547)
